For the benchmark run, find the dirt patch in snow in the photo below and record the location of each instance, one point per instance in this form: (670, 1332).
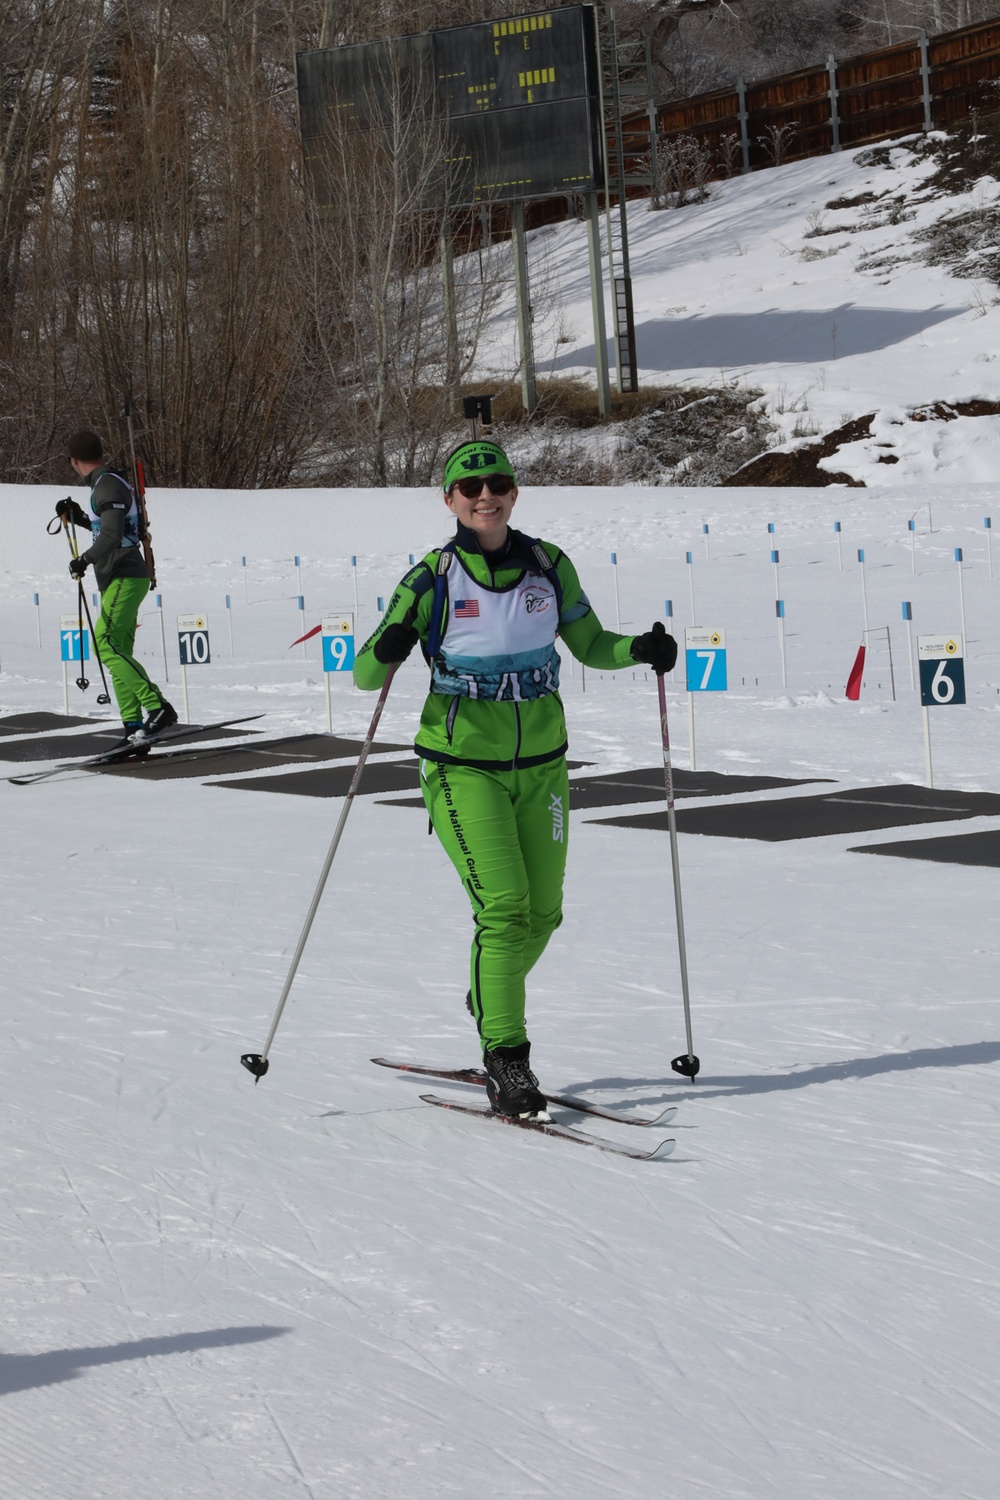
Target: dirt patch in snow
(948, 411)
(801, 466)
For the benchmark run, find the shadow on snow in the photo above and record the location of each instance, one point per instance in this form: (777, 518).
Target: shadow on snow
(23, 1372)
(970, 1054)
(724, 341)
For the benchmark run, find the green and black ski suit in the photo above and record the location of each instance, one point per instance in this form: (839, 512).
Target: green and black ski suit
(123, 580)
(492, 742)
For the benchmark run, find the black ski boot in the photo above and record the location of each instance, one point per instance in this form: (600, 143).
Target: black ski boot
(511, 1085)
(130, 729)
(162, 718)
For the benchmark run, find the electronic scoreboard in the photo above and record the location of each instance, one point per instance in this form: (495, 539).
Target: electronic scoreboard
(517, 102)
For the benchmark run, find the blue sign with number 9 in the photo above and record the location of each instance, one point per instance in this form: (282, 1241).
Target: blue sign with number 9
(338, 653)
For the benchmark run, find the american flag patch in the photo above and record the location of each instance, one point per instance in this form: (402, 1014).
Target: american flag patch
(466, 609)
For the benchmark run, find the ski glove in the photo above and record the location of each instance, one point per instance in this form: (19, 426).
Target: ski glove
(78, 566)
(395, 643)
(68, 510)
(656, 648)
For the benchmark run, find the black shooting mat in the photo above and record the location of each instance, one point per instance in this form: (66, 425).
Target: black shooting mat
(981, 849)
(40, 722)
(71, 746)
(857, 810)
(648, 786)
(261, 755)
(335, 781)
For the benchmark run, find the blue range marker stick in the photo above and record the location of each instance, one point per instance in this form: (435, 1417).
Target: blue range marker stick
(988, 528)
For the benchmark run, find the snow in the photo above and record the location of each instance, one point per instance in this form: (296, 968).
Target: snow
(321, 1287)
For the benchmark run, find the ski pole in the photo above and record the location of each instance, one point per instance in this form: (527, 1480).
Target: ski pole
(104, 697)
(83, 609)
(256, 1062)
(82, 681)
(686, 1063)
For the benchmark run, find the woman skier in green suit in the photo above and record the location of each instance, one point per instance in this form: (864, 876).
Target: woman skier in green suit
(492, 740)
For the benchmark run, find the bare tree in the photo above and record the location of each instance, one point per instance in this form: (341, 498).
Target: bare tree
(43, 59)
(382, 322)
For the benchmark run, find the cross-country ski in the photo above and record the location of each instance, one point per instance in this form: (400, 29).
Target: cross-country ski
(545, 1126)
(124, 754)
(567, 1101)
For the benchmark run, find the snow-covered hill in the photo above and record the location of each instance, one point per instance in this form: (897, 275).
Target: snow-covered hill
(834, 285)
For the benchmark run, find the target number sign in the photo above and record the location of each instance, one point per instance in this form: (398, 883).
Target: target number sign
(705, 660)
(192, 640)
(338, 643)
(74, 643)
(942, 670)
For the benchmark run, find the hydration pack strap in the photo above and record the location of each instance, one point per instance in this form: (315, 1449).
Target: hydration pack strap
(436, 632)
(547, 566)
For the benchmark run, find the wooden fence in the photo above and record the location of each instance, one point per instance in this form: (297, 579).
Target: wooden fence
(923, 84)
(927, 83)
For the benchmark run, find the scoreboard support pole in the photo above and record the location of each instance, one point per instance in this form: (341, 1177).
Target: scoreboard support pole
(524, 339)
(452, 383)
(597, 300)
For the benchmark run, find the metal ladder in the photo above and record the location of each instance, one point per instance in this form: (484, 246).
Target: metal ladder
(626, 72)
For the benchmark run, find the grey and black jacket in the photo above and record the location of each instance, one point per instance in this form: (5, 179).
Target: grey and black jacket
(116, 551)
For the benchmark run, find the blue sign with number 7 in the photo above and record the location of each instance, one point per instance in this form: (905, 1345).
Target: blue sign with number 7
(705, 660)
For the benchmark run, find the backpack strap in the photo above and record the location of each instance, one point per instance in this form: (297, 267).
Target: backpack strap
(435, 633)
(548, 568)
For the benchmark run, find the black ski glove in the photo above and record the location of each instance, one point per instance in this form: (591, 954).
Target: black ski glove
(78, 566)
(656, 648)
(395, 643)
(68, 510)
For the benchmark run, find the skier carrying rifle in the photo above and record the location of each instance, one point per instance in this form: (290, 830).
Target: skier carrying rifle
(123, 580)
(487, 608)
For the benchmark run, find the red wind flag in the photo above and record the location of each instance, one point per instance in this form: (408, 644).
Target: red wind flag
(308, 636)
(857, 672)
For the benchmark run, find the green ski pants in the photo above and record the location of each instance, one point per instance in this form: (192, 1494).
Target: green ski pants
(505, 832)
(114, 635)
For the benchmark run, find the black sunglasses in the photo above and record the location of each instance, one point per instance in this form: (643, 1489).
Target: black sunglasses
(497, 484)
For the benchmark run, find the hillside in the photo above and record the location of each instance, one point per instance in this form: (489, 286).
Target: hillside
(857, 291)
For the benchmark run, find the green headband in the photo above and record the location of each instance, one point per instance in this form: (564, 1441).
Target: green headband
(476, 458)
